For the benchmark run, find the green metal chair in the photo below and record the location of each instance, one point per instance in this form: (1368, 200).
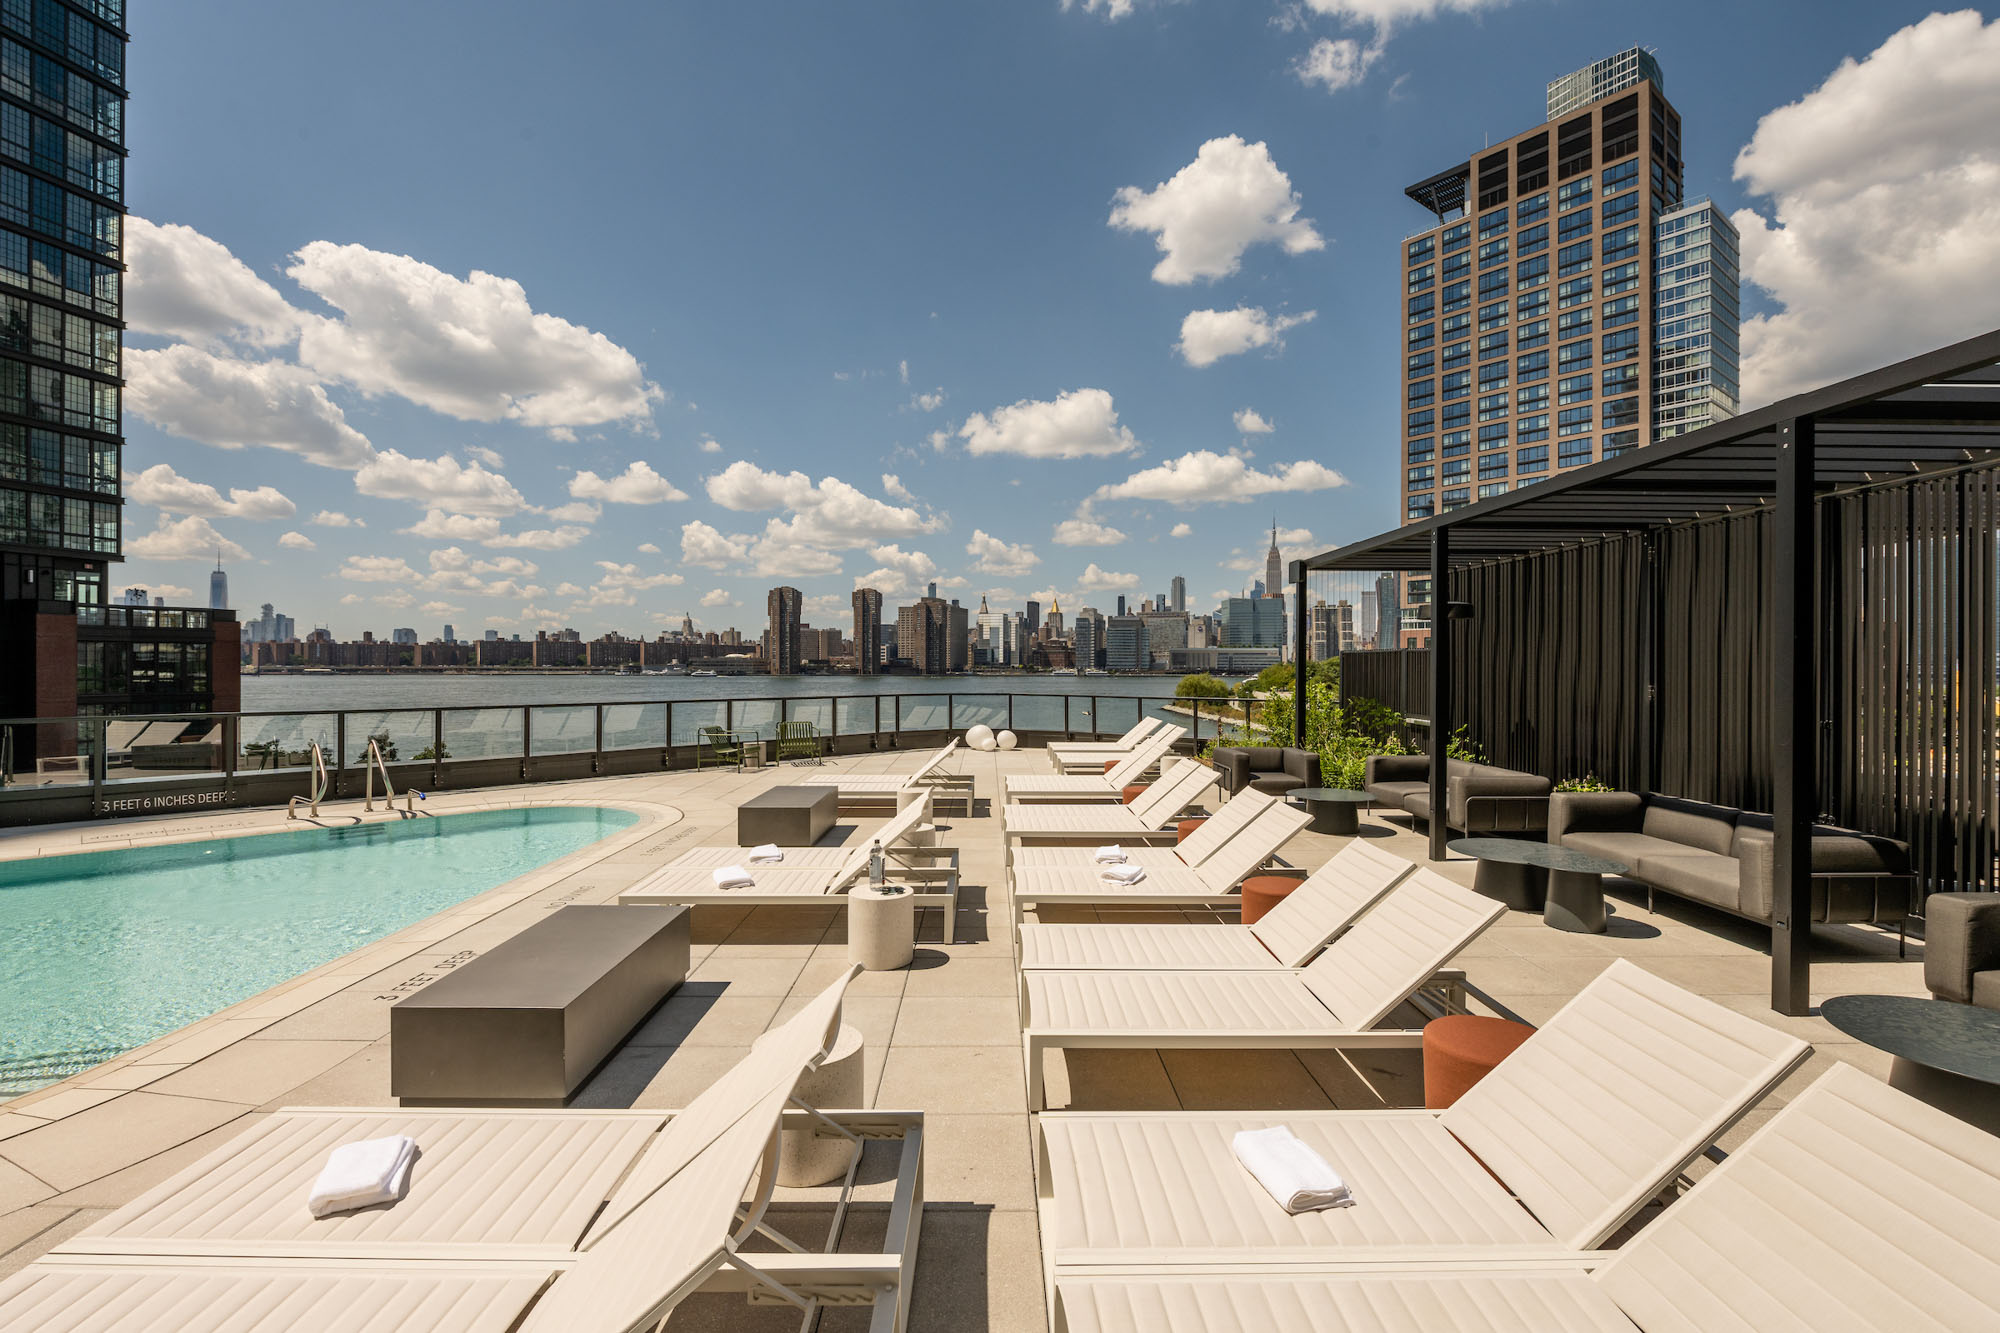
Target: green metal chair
(717, 746)
(800, 741)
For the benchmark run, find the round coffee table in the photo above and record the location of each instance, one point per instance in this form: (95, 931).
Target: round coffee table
(1945, 1053)
(1564, 885)
(1333, 808)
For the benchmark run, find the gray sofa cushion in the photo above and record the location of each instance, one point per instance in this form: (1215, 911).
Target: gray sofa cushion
(1397, 794)
(1962, 947)
(1626, 847)
(1986, 989)
(1707, 877)
(1418, 803)
(1710, 828)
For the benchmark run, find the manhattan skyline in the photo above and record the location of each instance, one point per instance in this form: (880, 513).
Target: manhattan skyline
(835, 305)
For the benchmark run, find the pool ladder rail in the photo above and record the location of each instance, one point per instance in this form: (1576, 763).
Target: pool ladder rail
(320, 782)
(376, 764)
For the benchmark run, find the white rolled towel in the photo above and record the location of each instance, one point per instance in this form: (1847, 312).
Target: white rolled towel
(360, 1175)
(1122, 874)
(769, 853)
(734, 877)
(1114, 855)
(1296, 1176)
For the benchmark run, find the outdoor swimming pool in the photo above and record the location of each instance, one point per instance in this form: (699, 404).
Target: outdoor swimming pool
(104, 951)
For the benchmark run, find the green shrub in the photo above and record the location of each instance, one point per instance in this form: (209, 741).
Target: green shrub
(1588, 782)
(1202, 686)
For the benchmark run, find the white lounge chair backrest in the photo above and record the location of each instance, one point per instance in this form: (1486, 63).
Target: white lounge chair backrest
(1856, 1207)
(782, 1055)
(676, 1237)
(1656, 1073)
(1274, 826)
(1331, 899)
(1234, 816)
(1177, 788)
(930, 765)
(1143, 756)
(1396, 946)
(891, 833)
(1144, 727)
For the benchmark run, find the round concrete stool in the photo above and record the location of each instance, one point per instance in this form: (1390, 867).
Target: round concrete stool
(1462, 1049)
(1133, 791)
(1263, 892)
(881, 927)
(806, 1158)
(923, 835)
(1185, 829)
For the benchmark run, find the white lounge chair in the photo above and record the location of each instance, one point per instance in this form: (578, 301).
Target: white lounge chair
(492, 1233)
(1334, 1002)
(808, 880)
(1856, 1209)
(1066, 756)
(861, 793)
(1330, 900)
(1547, 1156)
(1216, 830)
(1215, 882)
(1182, 783)
(1107, 786)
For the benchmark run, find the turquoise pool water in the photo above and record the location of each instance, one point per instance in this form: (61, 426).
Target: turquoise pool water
(104, 951)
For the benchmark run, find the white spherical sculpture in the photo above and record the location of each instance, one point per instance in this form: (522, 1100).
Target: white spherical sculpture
(979, 737)
(1006, 740)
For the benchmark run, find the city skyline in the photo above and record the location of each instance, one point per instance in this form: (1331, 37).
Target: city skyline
(1150, 366)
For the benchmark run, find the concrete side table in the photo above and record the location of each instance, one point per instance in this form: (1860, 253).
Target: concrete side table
(812, 1155)
(881, 927)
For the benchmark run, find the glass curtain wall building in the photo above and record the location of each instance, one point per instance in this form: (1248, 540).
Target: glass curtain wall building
(1695, 286)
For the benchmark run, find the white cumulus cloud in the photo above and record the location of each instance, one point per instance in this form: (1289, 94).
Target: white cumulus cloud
(190, 538)
(1087, 531)
(900, 571)
(993, 556)
(297, 541)
(1335, 64)
(1251, 422)
(378, 569)
(181, 284)
(1882, 190)
(333, 518)
(709, 548)
(233, 404)
(1080, 423)
(638, 484)
(1231, 197)
(829, 513)
(717, 597)
(1094, 579)
(1204, 477)
(163, 488)
(444, 482)
(1209, 335)
(1181, 530)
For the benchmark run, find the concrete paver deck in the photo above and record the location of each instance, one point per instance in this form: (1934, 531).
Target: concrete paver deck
(942, 1035)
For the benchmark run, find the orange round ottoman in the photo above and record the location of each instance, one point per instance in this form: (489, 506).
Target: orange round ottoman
(1133, 791)
(1462, 1049)
(1263, 892)
(1110, 764)
(1184, 829)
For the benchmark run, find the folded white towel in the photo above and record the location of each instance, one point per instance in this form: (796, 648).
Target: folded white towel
(1121, 874)
(734, 877)
(769, 853)
(359, 1175)
(1297, 1177)
(1112, 855)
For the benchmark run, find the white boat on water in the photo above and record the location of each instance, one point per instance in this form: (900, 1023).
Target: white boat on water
(701, 673)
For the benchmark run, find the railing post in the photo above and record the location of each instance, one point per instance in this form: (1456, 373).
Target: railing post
(1440, 739)
(951, 714)
(1794, 719)
(899, 721)
(597, 757)
(667, 751)
(527, 739)
(437, 747)
(1010, 710)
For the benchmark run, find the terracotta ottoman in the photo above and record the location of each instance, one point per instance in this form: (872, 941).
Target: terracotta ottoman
(1133, 791)
(1263, 892)
(1462, 1049)
(1185, 829)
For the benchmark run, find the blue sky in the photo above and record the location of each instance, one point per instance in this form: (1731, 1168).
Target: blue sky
(819, 293)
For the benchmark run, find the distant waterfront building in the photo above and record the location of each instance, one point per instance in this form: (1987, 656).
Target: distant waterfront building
(786, 605)
(1125, 644)
(133, 597)
(402, 636)
(1594, 83)
(1121, 604)
(218, 586)
(958, 640)
(1252, 622)
(1329, 630)
(1052, 628)
(1032, 613)
(1165, 631)
(1274, 567)
(450, 635)
(990, 628)
(1088, 638)
(1695, 285)
(867, 630)
(270, 627)
(921, 629)
(1180, 593)
(493, 636)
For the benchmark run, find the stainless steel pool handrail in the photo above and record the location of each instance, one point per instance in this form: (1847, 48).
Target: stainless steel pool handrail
(321, 781)
(374, 764)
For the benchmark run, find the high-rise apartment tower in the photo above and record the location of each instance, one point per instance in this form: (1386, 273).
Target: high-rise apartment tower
(867, 631)
(786, 606)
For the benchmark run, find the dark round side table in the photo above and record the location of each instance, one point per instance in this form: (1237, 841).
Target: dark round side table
(1333, 808)
(1945, 1053)
(1564, 885)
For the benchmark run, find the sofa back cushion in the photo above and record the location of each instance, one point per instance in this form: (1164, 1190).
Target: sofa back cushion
(1265, 758)
(1708, 828)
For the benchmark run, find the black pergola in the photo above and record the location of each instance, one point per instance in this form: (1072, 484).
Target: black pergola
(1824, 539)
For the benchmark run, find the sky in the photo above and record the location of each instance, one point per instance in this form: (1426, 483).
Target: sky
(598, 315)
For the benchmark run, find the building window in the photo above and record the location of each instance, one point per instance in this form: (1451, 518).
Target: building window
(1573, 452)
(1572, 357)
(1534, 334)
(1492, 406)
(1621, 244)
(1532, 366)
(1456, 415)
(1529, 461)
(1452, 325)
(1456, 355)
(1422, 307)
(1493, 284)
(1574, 389)
(1572, 259)
(1622, 412)
(1493, 436)
(1422, 364)
(1422, 335)
(1573, 421)
(1457, 237)
(1420, 248)
(1621, 177)
(1457, 297)
(1492, 222)
(1494, 488)
(1623, 278)
(1456, 385)
(1620, 442)
(1422, 392)
(1530, 429)
(1422, 278)
(1493, 316)
(1456, 471)
(1419, 422)
(1573, 293)
(1420, 478)
(1621, 379)
(1492, 465)
(1573, 225)
(1573, 324)
(1535, 238)
(1421, 507)
(1420, 450)
(1492, 375)
(1621, 346)
(1531, 273)
(1492, 345)
(1453, 499)
(1457, 443)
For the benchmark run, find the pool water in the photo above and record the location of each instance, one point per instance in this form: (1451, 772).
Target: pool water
(104, 951)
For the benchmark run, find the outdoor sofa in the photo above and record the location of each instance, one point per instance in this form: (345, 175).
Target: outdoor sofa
(1268, 768)
(1962, 947)
(1722, 857)
(1479, 798)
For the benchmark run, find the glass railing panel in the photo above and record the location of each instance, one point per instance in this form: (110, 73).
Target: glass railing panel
(974, 710)
(563, 729)
(404, 737)
(757, 719)
(1108, 715)
(819, 712)
(1038, 712)
(482, 733)
(38, 756)
(634, 726)
(265, 742)
(923, 712)
(856, 715)
(692, 716)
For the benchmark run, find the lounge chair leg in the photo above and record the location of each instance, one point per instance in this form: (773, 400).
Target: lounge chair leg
(1033, 1053)
(1903, 939)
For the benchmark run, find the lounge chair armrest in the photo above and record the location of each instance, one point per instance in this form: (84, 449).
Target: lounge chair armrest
(1961, 938)
(1396, 768)
(1233, 762)
(1594, 812)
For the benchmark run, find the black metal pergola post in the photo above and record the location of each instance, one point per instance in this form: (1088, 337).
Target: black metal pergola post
(1794, 717)
(1300, 638)
(1440, 740)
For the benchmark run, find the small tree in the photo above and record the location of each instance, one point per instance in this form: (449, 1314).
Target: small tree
(1202, 686)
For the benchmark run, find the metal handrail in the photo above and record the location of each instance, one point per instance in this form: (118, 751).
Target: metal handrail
(321, 781)
(374, 764)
